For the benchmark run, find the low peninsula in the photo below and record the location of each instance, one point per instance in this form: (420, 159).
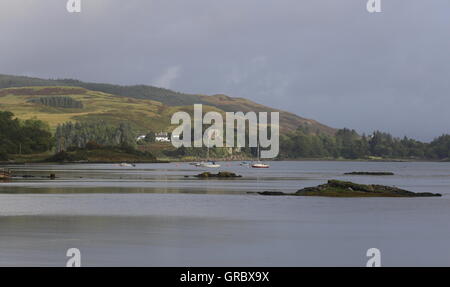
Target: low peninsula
(376, 173)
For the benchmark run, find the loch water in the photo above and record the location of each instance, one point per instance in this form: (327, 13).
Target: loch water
(153, 215)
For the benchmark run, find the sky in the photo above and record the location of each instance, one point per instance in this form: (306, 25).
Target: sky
(328, 60)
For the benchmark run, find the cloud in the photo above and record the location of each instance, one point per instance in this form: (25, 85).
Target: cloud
(327, 60)
(256, 76)
(165, 80)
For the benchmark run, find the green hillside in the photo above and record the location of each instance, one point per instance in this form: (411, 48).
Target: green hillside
(146, 108)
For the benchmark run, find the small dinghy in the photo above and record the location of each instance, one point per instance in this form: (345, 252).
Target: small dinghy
(208, 164)
(124, 164)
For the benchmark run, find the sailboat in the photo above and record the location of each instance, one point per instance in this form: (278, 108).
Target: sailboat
(259, 163)
(208, 164)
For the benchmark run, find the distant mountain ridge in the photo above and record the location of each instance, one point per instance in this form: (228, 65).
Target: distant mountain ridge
(164, 97)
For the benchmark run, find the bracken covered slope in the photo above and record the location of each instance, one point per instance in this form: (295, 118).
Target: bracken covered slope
(145, 107)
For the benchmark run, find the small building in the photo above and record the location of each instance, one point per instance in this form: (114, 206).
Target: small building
(162, 137)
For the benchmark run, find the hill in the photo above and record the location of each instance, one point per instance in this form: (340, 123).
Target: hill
(145, 107)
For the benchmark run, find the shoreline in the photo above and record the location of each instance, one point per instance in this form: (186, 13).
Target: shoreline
(217, 160)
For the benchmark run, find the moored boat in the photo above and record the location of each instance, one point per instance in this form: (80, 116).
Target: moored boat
(260, 165)
(208, 164)
(124, 164)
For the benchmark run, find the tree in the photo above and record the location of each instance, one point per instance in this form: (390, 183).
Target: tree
(78, 135)
(30, 136)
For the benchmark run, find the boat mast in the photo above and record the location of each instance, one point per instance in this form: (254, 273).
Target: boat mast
(257, 153)
(207, 148)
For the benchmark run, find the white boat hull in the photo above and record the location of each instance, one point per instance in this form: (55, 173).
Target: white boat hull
(260, 165)
(208, 165)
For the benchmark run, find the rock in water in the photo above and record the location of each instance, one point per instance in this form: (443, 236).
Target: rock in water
(337, 188)
(369, 173)
(273, 193)
(221, 174)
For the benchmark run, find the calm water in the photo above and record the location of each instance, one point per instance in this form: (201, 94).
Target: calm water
(152, 215)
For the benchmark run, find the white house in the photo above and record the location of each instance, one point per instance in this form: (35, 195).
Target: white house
(162, 137)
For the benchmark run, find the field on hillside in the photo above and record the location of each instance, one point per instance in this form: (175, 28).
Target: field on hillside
(143, 115)
(148, 96)
(97, 106)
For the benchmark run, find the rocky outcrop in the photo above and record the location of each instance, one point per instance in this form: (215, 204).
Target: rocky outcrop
(221, 174)
(273, 193)
(337, 188)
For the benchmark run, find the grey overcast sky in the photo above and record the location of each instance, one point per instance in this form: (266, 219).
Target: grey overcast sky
(329, 60)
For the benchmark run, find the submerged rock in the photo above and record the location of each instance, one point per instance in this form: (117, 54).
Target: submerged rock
(369, 173)
(274, 193)
(221, 174)
(337, 188)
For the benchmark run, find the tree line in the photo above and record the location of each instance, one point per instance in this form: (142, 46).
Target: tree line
(34, 136)
(80, 134)
(58, 102)
(348, 144)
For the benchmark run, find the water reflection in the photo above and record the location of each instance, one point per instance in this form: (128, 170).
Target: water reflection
(153, 216)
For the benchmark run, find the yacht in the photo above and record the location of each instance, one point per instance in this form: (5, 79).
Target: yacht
(208, 164)
(259, 163)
